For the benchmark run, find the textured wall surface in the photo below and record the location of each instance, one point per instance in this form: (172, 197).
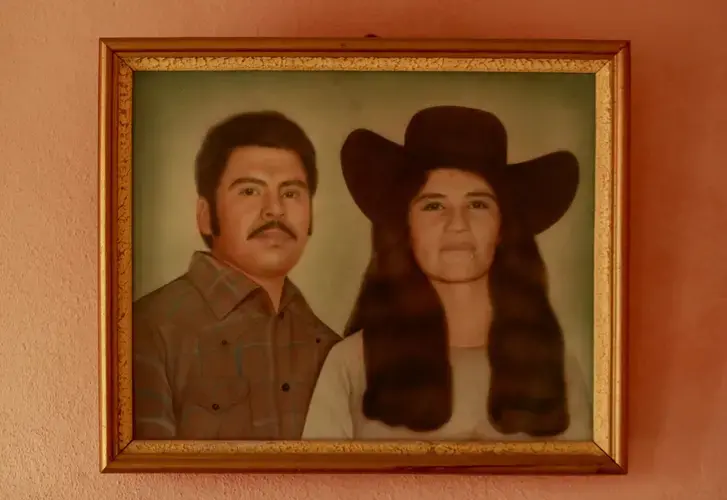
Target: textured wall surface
(48, 282)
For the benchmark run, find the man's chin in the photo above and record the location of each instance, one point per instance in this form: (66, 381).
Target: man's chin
(279, 264)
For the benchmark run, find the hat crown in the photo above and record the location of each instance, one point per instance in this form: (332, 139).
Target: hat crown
(454, 135)
(542, 188)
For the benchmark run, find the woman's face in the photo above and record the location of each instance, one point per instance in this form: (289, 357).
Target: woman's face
(455, 226)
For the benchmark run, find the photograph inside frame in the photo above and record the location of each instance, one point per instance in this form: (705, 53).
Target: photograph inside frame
(363, 256)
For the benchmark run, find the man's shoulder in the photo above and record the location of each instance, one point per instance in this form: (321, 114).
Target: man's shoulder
(323, 333)
(174, 296)
(313, 321)
(322, 328)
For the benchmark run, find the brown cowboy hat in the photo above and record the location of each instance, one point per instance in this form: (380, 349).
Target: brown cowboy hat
(452, 136)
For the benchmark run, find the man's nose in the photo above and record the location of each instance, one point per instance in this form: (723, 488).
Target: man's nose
(273, 207)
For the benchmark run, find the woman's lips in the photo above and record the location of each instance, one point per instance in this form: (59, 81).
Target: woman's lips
(458, 247)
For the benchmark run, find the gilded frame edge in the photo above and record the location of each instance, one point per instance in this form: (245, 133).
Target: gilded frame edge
(608, 60)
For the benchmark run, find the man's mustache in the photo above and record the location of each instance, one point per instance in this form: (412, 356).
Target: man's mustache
(273, 224)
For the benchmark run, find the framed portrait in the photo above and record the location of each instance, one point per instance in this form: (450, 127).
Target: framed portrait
(369, 255)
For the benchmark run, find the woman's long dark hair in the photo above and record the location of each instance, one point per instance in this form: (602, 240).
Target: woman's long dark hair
(406, 350)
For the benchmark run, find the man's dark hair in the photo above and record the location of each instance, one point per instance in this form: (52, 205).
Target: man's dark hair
(258, 128)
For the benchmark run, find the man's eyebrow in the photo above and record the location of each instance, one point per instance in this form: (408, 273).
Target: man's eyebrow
(246, 180)
(294, 182)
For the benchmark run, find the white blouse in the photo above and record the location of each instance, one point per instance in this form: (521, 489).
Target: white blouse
(335, 411)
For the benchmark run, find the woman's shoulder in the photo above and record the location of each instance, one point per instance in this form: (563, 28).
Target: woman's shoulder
(344, 365)
(574, 370)
(347, 352)
(580, 399)
(351, 343)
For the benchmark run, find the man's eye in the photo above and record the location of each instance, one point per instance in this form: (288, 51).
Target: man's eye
(291, 194)
(247, 191)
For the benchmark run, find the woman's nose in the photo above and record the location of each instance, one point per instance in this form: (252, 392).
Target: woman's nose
(458, 221)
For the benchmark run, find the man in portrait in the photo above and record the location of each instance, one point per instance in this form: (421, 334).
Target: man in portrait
(231, 349)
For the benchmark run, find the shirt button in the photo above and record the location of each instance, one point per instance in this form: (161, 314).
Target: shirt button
(285, 387)
(318, 341)
(281, 315)
(224, 342)
(215, 407)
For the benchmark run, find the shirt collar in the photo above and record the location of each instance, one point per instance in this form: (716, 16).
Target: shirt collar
(224, 287)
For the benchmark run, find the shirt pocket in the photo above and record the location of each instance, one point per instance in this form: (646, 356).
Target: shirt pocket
(216, 408)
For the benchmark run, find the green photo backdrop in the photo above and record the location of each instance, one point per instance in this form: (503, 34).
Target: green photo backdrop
(173, 110)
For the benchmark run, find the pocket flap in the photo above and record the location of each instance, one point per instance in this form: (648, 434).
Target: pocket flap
(217, 394)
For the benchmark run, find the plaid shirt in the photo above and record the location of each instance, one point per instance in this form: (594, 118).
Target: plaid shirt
(213, 361)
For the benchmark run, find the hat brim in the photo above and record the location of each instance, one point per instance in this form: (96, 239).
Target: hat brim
(369, 164)
(544, 187)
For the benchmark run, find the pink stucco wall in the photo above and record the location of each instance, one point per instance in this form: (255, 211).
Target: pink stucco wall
(48, 283)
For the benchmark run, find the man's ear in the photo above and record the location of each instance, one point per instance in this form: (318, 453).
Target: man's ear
(204, 219)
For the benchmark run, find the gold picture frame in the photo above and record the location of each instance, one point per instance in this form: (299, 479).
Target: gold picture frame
(121, 59)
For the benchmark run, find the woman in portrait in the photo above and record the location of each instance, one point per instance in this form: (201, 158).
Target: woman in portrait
(452, 336)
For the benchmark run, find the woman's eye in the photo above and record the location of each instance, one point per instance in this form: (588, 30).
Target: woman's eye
(479, 204)
(434, 205)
